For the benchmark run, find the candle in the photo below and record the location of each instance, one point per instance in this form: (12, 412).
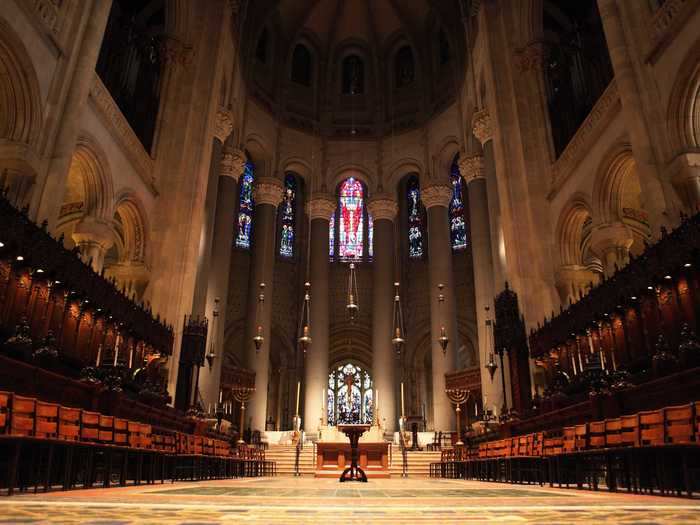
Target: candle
(298, 389)
(131, 357)
(221, 396)
(209, 410)
(580, 362)
(403, 410)
(476, 408)
(377, 400)
(590, 343)
(116, 354)
(99, 353)
(602, 359)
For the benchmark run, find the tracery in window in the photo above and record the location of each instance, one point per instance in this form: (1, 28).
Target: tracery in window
(458, 229)
(287, 212)
(350, 396)
(246, 206)
(415, 218)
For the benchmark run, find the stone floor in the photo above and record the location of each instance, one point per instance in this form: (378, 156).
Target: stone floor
(308, 500)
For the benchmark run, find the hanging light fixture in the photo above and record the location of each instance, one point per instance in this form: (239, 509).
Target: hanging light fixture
(305, 320)
(259, 339)
(398, 340)
(211, 355)
(491, 366)
(352, 306)
(443, 339)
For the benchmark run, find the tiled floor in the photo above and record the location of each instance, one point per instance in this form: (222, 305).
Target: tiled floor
(308, 500)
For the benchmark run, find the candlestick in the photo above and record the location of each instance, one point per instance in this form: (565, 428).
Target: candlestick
(99, 353)
(296, 411)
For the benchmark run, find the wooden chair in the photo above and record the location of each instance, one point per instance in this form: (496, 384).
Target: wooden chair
(121, 432)
(46, 423)
(89, 426)
(22, 416)
(679, 457)
(680, 424)
(68, 423)
(4, 411)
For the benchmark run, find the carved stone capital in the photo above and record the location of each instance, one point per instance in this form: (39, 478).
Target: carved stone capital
(232, 163)
(383, 207)
(321, 206)
(268, 190)
(481, 126)
(436, 195)
(532, 57)
(224, 124)
(472, 168)
(93, 231)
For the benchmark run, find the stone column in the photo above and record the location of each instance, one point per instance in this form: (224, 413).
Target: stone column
(384, 363)
(654, 199)
(481, 127)
(93, 237)
(472, 169)
(611, 242)
(218, 270)
(49, 202)
(268, 195)
(436, 198)
(316, 366)
(222, 129)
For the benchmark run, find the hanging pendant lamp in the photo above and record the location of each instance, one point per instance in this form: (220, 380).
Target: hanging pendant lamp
(352, 307)
(398, 340)
(443, 339)
(259, 339)
(305, 320)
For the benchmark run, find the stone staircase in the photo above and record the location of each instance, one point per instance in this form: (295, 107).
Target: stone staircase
(418, 462)
(284, 456)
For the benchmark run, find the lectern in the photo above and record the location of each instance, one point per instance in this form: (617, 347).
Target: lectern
(353, 472)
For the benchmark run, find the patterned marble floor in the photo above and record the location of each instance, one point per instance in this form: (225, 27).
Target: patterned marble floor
(308, 500)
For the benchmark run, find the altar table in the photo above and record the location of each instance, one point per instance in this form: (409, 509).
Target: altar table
(332, 458)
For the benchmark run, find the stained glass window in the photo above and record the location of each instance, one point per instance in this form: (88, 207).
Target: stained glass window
(458, 229)
(370, 235)
(350, 396)
(287, 211)
(351, 220)
(245, 208)
(331, 235)
(415, 218)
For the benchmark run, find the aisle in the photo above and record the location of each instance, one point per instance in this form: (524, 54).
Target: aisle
(308, 500)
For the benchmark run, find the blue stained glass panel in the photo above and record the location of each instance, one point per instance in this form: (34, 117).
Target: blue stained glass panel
(246, 206)
(287, 210)
(458, 228)
(351, 220)
(331, 236)
(415, 219)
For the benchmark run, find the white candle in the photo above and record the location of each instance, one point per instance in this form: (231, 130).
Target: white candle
(590, 342)
(476, 408)
(298, 389)
(116, 354)
(131, 357)
(221, 396)
(377, 400)
(99, 353)
(209, 411)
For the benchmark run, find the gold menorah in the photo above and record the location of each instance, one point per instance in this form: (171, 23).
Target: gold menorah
(242, 394)
(458, 396)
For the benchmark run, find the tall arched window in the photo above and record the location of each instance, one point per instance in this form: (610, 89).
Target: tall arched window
(415, 218)
(353, 75)
(348, 225)
(287, 213)
(302, 65)
(245, 207)
(350, 398)
(458, 229)
(405, 67)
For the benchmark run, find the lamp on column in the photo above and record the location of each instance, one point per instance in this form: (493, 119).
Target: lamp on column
(352, 306)
(305, 320)
(398, 340)
(491, 366)
(211, 354)
(443, 339)
(258, 339)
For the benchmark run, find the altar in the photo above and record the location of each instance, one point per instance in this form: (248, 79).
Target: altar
(333, 453)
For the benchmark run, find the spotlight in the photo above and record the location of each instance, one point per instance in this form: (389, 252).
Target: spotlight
(19, 258)
(2, 244)
(667, 277)
(39, 270)
(686, 265)
(650, 287)
(634, 297)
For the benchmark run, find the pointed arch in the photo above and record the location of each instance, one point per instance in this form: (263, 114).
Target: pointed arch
(131, 228)
(573, 221)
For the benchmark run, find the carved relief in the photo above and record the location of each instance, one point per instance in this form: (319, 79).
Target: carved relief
(472, 168)
(321, 206)
(382, 207)
(481, 126)
(532, 57)
(121, 130)
(232, 163)
(268, 190)
(224, 124)
(436, 195)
